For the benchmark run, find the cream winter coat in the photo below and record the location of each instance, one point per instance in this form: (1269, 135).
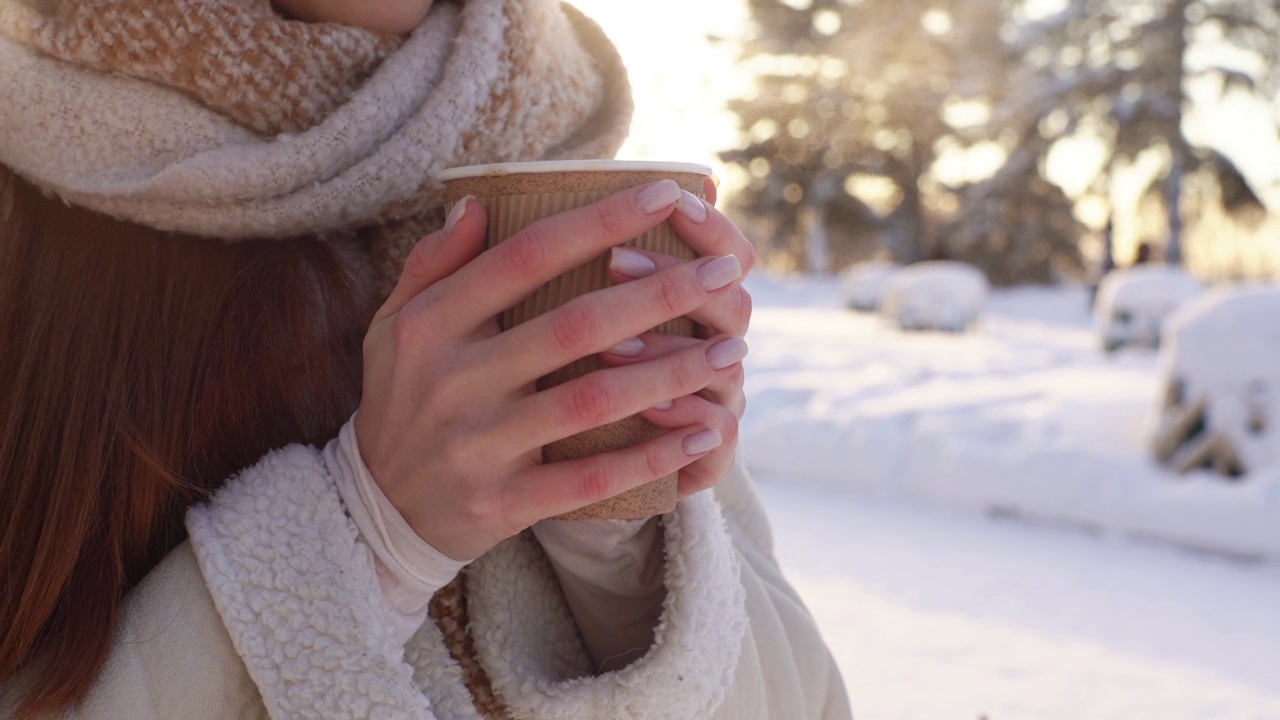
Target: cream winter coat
(265, 612)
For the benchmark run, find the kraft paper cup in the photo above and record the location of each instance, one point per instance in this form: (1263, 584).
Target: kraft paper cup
(518, 194)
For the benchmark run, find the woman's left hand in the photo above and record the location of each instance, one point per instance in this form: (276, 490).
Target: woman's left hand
(729, 315)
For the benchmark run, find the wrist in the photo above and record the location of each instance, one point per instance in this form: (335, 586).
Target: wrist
(417, 566)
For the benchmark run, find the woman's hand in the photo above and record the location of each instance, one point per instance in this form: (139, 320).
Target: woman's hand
(449, 424)
(708, 232)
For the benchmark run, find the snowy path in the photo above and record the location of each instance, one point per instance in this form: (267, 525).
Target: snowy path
(935, 613)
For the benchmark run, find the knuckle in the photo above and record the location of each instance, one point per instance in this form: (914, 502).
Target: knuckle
(590, 401)
(525, 253)
(416, 323)
(670, 294)
(573, 326)
(743, 315)
(595, 482)
(416, 265)
(736, 375)
(405, 330)
(749, 255)
(687, 377)
(611, 218)
(729, 432)
(482, 510)
(655, 464)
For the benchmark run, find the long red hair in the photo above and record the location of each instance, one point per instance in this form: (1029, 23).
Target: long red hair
(138, 370)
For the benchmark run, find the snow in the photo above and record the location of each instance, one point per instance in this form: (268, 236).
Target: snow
(1224, 348)
(935, 295)
(1133, 302)
(1026, 416)
(933, 614)
(863, 285)
(979, 529)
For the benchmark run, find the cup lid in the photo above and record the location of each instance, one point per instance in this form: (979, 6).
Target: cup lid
(540, 166)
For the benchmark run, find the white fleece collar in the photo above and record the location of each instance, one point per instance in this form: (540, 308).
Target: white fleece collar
(299, 598)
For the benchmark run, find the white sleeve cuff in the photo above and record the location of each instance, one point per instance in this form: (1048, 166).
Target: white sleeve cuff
(611, 574)
(410, 570)
(623, 557)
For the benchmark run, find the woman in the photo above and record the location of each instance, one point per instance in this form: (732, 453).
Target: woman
(347, 377)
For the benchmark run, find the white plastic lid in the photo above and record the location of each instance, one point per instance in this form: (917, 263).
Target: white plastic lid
(539, 166)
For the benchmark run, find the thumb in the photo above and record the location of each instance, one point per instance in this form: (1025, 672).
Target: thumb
(439, 254)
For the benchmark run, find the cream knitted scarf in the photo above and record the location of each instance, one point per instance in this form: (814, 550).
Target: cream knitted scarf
(220, 118)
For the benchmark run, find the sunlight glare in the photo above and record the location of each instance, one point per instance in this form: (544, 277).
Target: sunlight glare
(682, 80)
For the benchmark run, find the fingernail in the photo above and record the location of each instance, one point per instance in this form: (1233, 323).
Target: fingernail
(691, 207)
(631, 263)
(664, 405)
(657, 196)
(726, 352)
(456, 214)
(628, 348)
(701, 442)
(719, 272)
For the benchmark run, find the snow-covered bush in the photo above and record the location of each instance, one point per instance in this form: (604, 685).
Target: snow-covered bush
(862, 286)
(1132, 303)
(935, 295)
(1220, 361)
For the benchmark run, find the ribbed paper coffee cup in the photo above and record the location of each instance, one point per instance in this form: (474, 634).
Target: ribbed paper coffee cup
(516, 195)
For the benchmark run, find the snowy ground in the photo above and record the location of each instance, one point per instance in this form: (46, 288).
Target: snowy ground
(976, 526)
(1024, 415)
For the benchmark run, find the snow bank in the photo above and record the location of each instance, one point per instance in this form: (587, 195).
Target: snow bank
(1132, 303)
(1221, 358)
(935, 295)
(863, 285)
(1026, 418)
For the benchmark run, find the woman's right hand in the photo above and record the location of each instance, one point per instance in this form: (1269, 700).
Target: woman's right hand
(449, 424)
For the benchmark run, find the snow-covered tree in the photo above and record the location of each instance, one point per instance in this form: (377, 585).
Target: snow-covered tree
(1122, 71)
(853, 112)
(1018, 227)
(842, 133)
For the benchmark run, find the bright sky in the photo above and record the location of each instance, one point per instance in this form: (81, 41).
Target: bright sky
(680, 80)
(682, 83)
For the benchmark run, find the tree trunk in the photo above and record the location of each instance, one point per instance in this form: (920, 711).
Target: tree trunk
(1178, 148)
(1108, 248)
(906, 230)
(1173, 204)
(817, 249)
(903, 238)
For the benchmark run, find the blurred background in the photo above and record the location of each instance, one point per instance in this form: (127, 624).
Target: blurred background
(1014, 384)
(910, 128)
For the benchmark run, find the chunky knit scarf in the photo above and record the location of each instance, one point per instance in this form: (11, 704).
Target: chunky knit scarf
(220, 118)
